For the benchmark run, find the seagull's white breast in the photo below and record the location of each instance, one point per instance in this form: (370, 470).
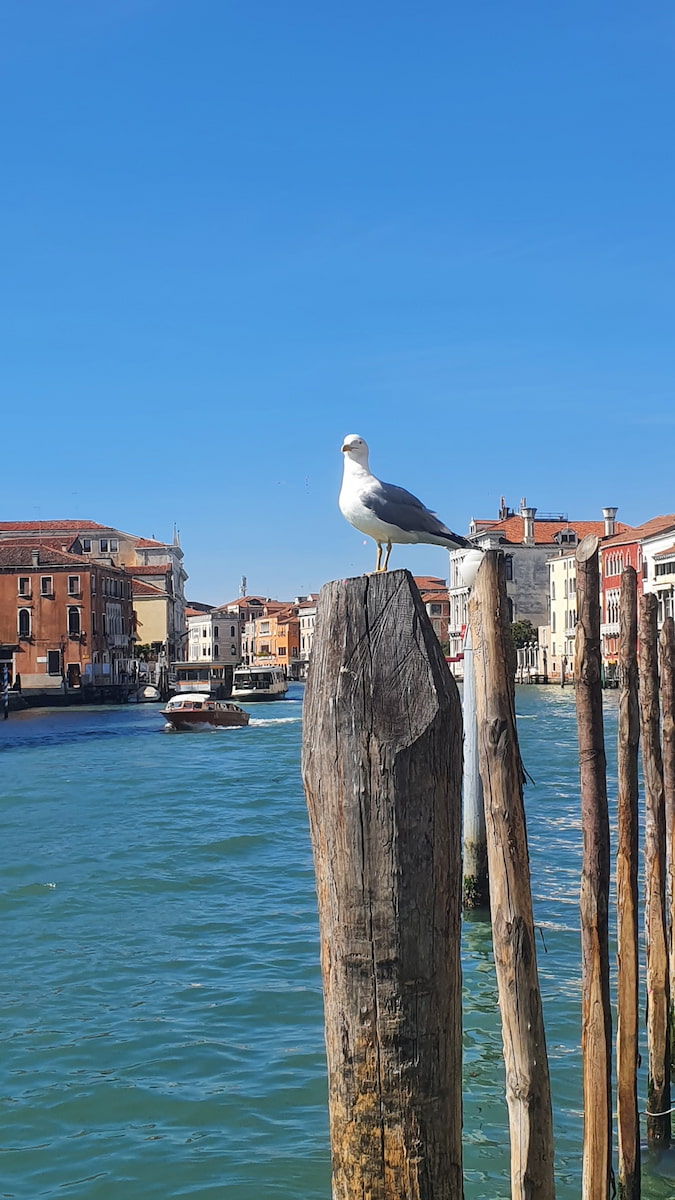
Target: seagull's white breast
(363, 518)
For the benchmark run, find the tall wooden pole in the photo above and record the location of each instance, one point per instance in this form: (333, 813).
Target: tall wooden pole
(627, 896)
(658, 1070)
(476, 885)
(528, 1093)
(667, 657)
(596, 1020)
(382, 769)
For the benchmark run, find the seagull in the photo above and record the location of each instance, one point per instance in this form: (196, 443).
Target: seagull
(384, 511)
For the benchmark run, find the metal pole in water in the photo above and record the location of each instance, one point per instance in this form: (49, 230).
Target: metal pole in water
(476, 884)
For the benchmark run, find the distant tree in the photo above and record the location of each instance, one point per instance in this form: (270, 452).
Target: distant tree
(523, 633)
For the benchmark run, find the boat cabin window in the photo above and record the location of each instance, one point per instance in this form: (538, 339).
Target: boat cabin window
(261, 679)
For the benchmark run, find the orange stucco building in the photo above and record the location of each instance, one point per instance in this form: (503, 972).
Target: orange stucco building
(65, 620)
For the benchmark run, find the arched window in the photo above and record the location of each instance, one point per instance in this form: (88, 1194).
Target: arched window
(24, 622)
(215, 631)
(74, 621)
(231, 630)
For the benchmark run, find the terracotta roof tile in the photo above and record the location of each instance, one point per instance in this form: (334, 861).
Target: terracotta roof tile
(64, 543)
(160, 569)
(647, 529)
(245, 602)
(140, 588)
(430, 583)
(18, 555)
(512, 529)
(38, 527)
(666, 553)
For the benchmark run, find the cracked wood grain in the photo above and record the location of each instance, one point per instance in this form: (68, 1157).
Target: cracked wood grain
(382, 766)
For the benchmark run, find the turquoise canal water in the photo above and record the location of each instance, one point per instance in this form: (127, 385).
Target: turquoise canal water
(161, 1017)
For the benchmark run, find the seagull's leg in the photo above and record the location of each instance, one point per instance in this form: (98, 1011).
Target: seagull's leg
(379, 557)
(386, 557)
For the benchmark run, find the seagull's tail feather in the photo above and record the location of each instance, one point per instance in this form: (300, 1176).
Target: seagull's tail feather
(455, 541)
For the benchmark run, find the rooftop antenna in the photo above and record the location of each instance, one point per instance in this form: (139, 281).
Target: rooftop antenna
(242, 587)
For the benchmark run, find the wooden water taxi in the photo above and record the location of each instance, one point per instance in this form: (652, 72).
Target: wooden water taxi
(198, 710)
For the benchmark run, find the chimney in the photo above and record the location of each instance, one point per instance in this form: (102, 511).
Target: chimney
(528, 522)
(36, 557)
(610, 521)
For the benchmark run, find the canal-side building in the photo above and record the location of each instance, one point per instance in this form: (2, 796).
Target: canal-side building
(529, 540)
(66, 622)
(436, 600)
(215, 636)
(555, 658)
(158, 564)
(307, 612)
(646, 548)
(275, 638)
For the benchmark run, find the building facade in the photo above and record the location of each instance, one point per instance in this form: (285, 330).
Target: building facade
(647, 549)
(66, 622)
(215, 636)
(159, 564)
(556, 639)
(528, 541)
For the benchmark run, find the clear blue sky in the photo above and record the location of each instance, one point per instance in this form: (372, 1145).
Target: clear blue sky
(234, 232)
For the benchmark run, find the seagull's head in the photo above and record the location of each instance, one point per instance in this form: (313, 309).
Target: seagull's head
(355, 448)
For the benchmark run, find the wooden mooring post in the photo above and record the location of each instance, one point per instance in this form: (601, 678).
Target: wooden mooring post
(596, 1019)
(667, 661)
(382, 768)
(528, 1093)
(627, 1033)
(658, 1049)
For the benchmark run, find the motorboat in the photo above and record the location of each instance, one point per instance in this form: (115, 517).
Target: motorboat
(259, 683)
(147, 693)
(197, 711)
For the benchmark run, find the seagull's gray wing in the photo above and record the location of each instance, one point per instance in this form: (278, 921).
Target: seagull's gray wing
(399, 507)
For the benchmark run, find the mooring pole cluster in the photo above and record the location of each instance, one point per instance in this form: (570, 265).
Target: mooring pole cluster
(382, 769)
(646, 716)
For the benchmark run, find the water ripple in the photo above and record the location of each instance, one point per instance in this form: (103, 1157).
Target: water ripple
(161, 1011)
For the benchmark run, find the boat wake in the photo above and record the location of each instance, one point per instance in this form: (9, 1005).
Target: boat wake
(274, 721)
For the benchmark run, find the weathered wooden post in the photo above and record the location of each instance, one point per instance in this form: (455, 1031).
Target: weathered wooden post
(382, 769)
(658, 1069)
(528, 1094)
(627, 896)
(667, 656)
(476, 884)
(596, 1018)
